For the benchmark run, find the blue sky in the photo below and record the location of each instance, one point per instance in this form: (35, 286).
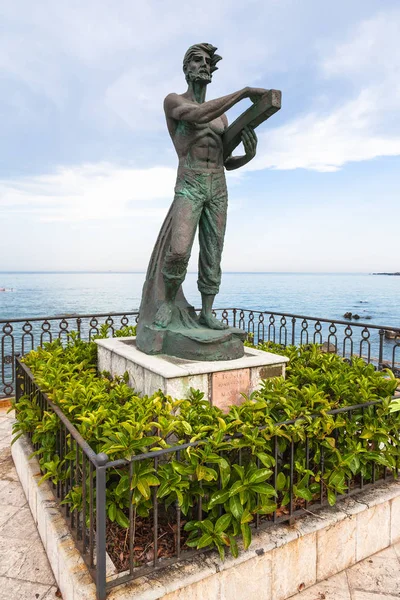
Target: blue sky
(87, 168)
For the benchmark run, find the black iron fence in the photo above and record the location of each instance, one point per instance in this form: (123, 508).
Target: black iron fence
(19, 336)
(377, 344)
(88, 474)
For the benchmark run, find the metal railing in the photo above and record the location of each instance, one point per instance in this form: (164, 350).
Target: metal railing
(19, 336)
(377, 344)
(88, 471)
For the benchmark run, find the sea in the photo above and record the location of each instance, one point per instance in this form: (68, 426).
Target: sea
(375, 298)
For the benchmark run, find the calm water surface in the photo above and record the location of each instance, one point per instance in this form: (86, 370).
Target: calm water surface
(321, 295)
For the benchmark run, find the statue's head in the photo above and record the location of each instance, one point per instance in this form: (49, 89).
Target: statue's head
(199, 62)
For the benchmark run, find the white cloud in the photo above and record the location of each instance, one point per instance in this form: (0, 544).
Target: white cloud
(370, 52)
(362, 127)
(89, 192)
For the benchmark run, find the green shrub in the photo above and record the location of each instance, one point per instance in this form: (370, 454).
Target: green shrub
(114, 419)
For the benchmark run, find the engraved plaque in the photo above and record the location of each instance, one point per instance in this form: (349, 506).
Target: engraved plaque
(227, 387)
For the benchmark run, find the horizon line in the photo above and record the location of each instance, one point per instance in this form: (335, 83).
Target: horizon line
(110, 272)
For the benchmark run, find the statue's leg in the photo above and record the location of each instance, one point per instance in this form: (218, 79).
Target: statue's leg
(211, 238)
(187, 209)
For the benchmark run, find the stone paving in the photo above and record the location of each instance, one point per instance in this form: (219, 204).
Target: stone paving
(25, 573)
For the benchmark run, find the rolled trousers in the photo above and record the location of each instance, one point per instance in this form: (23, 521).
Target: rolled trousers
(200, 201)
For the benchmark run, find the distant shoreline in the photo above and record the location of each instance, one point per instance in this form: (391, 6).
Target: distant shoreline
(392, 274)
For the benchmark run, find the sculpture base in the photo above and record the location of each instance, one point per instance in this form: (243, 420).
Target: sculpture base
(196, 343)
(222, 382)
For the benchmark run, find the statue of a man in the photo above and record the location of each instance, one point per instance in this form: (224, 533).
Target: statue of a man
(196, 127)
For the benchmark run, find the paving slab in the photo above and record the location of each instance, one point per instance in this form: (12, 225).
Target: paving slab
(361, 595)
(25, 572)
(15, 589)
(333, 588)
(20, 526)
(378, 574)
(397, 549)
(11, 494)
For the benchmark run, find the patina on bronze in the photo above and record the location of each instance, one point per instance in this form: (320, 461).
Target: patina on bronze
(204, 142)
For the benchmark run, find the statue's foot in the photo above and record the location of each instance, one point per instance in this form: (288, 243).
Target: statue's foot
(164, 315)
(210, 321)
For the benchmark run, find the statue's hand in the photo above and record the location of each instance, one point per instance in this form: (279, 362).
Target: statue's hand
(255, 93)
(249, 140)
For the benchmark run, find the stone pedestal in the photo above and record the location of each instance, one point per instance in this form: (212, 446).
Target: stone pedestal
(222, 382)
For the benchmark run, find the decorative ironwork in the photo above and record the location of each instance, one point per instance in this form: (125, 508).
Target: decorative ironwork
(260, 328)
(46, 331)
(375, 344)
(304, 332)
(365, 335)
(283, 332)
(19, 336)
(64, 329)
(271, 327)
(348, 341)
(250, 323)
(317, 337)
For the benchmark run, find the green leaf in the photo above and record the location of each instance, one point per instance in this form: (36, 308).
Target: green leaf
(207, 524)
(191, 526)
(206, 473)
(186, 427)
(122, 519)
(239, 470)
(233, 546)
(280, 482)
(235, 507)
(112, 511)
(285, 499)
(304, 493)
(123, 485)
(266, 459)
(192, 543)
(331, 497)
(263, 488)
(260, 475)
(337, 478)
(152, 480)
(267, 507)
(246, 533)
(395, 406)
(218, 497)
(236, 488)
(225, 472)
(180, 468)
(144, 488)
(223, 523)
(246, 517)
(221, 550)
(204, 541)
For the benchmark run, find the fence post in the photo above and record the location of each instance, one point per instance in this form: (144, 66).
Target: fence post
(381, 341)
(17, 381)
(78, 326)
(101, 591)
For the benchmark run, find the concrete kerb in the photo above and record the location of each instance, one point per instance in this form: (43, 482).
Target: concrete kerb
(344, 524)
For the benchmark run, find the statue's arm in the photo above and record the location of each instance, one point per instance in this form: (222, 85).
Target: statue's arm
(249, 140)
(180, 109)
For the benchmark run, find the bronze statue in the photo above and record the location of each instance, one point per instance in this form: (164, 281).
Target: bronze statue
(200, 134)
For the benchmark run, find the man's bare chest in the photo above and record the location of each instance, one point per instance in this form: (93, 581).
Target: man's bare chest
(198, 130)
(216, 126)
